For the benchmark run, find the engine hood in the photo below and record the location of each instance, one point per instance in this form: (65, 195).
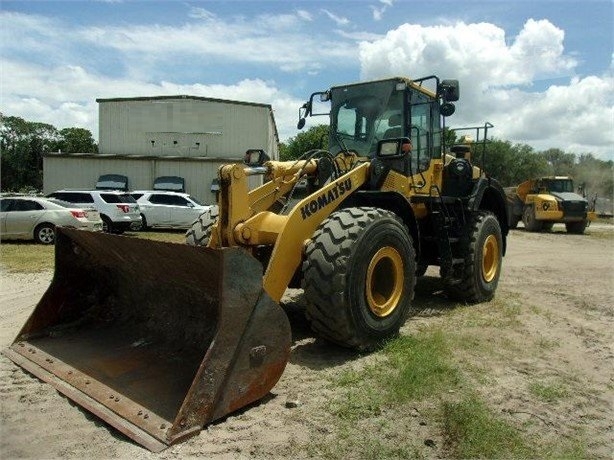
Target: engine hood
(568, 196)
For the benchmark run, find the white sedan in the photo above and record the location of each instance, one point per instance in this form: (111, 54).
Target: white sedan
(27, 218)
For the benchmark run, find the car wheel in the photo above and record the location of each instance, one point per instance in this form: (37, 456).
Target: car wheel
(144, 226)
(44, 234)
(107, 225)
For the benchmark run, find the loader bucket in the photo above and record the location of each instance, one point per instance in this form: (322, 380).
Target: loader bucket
(157, 339)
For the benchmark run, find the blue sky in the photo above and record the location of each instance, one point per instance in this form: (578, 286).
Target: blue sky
(540, 71)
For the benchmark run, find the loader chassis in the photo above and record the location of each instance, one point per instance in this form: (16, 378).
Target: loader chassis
(169, 338)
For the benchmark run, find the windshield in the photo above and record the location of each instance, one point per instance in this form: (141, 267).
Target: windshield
(364, 114)
(560, 185)
(195, 200)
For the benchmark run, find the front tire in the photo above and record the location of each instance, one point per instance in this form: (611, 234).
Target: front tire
(359, 277)
(477, 278)
(576, 227)
(531, 224)
(44, 234)
(199, 233)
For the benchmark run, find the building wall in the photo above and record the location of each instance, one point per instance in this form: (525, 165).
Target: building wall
(185, 126)
(192, 137)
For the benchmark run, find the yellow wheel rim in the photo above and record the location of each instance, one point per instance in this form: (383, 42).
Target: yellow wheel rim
(384, 285)
(490, 258)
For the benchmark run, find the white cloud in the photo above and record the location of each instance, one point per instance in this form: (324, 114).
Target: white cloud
(497, 78)
(201, 13)
(378, 11)
(267, 39)
(305, 15)
(339, 20)
(65, 96)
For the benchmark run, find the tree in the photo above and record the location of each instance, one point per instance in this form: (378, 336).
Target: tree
(23, 144)
(77, 140)
(315, 137)
(512, 164)
(595, 175)
(561, 163)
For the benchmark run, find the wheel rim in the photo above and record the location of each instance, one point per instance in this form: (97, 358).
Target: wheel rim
(384, 285)
(490, 258)
(46, 235)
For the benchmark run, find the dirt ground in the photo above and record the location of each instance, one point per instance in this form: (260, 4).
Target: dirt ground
(562, 284)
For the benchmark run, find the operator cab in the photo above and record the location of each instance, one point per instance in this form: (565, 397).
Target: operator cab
(364, 114)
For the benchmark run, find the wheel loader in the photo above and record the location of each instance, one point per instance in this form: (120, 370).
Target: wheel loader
(161, 339)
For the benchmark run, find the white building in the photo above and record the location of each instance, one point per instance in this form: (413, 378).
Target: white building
(148, 137)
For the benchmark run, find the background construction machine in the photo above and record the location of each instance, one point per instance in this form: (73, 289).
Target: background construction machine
(161, 339)
(541, 203)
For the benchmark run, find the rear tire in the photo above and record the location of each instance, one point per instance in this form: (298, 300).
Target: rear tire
(531, 224)
(359, 277)
(107, 225)
(199, 233)
(44, 234)
(477, 278)
(144, 226)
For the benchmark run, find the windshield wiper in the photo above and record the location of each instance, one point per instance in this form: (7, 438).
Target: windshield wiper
(339, 137)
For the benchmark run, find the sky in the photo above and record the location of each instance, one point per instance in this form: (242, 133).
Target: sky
(541, 71)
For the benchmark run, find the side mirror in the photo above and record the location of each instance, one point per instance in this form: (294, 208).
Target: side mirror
(449, 90)
(447, 109)
(255, 157)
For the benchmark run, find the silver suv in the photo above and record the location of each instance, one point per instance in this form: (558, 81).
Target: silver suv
(118, 210)
(160, 208)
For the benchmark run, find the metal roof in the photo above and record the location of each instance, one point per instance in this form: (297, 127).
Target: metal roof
(183, 96)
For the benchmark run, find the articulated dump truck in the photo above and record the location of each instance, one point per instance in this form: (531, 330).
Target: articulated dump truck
(541, 203)
(161, 339)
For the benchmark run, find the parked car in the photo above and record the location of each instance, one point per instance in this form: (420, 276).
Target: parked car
(118, 210)
(26, 218)
(161, 208)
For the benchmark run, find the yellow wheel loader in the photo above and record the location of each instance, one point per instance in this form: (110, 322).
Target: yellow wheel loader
(160, 339)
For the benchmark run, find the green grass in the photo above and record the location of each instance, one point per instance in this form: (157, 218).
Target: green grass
(415, 367)
(472, 430)
(29, 257)
(26, 257)
(549, 392)
(421, 366)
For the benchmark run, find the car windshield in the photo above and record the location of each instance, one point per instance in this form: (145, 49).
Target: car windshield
(62, 203)
(560, 185)
(195, 200)
(117, 198)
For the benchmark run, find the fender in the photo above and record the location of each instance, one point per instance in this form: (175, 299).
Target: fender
(392, 201)
(488, 195)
